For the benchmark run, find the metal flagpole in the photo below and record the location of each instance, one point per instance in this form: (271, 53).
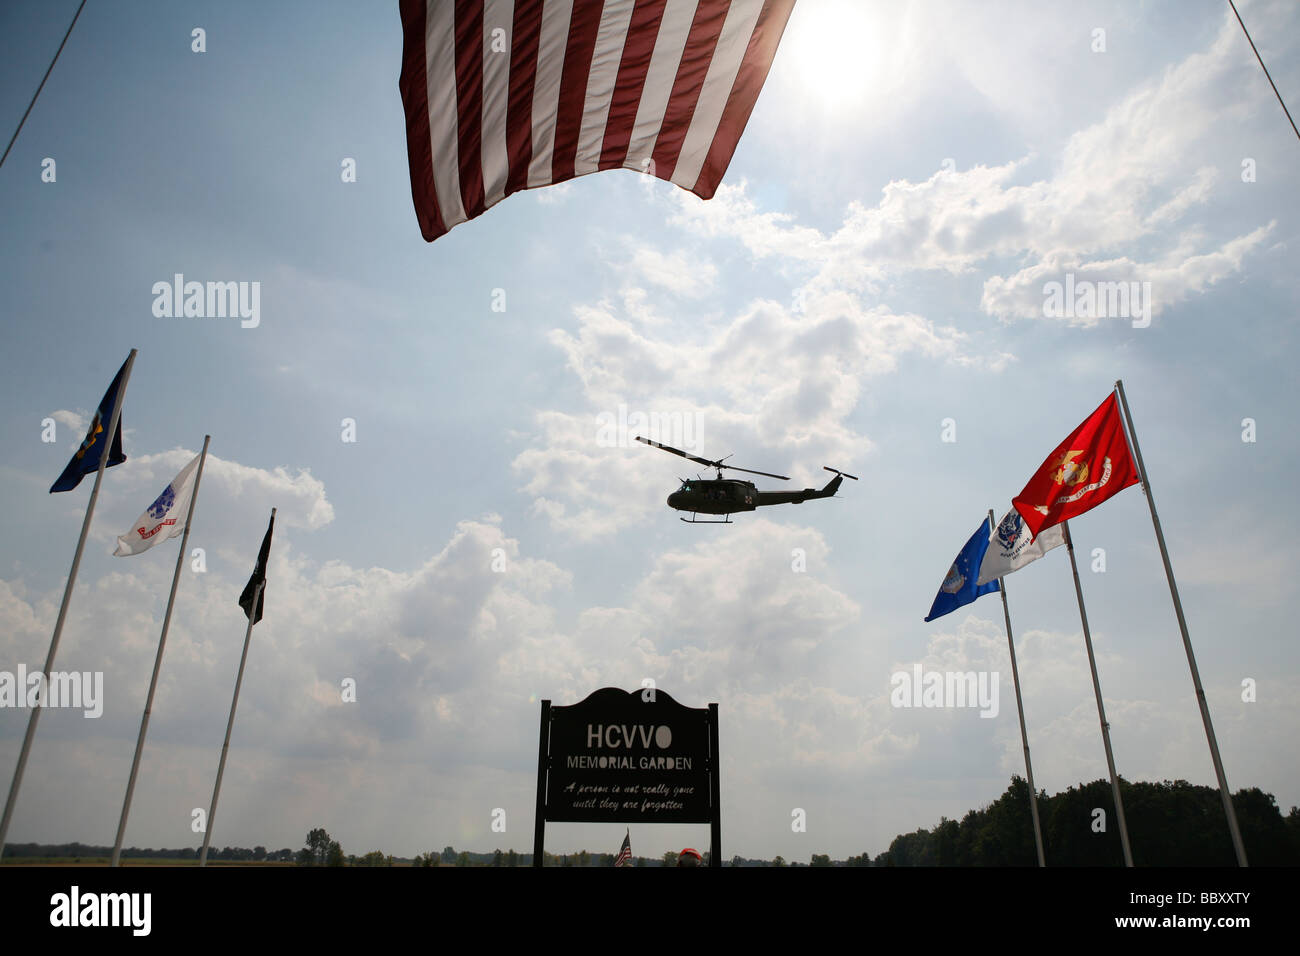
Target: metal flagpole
(1224, 793)
(110, 434)
(225, 746)
(1020, 709)
(157, 662)
(1101, 710)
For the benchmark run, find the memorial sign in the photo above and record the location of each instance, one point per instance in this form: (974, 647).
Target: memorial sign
(627, 757)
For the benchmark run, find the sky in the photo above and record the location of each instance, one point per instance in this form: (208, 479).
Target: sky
(866, 290)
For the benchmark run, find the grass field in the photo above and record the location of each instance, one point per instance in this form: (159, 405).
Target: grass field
(133, 861)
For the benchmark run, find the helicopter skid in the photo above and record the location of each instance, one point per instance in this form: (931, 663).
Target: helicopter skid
(694, 520)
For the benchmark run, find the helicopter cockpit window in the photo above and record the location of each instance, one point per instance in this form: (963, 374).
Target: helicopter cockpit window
(686, 486)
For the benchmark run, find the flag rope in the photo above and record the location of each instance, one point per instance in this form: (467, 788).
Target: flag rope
(14, 138)
(1267, 75)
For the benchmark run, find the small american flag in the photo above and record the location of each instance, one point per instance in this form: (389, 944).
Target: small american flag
(624, 857)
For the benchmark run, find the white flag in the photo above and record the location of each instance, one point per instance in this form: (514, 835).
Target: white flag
(1010, 548)
(163, 519)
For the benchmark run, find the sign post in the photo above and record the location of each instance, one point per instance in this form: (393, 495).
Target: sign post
(628, 757)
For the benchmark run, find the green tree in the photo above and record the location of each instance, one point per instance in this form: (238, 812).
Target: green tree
(373, 858)
(318, 844)
(778, 861)
(448, 855)
(670, 858)
(335, 855)
(498, 857)
(820, 859)
(512, 858)
(463, 859)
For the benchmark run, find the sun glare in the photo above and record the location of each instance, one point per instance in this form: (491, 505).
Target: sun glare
(838, 51)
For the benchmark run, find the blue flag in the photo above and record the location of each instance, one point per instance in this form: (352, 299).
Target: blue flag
(959, 587)
(86, 460)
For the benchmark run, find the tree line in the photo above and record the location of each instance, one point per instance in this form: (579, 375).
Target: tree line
(1173, 823)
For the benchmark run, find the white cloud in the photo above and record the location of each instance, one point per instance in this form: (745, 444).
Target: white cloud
(683, 273)
(776, 384)
(77, 421)
(298, 497)
(1120, 185)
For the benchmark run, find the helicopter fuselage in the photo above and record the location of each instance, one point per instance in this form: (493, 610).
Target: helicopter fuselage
(714, 496)
(724, 496)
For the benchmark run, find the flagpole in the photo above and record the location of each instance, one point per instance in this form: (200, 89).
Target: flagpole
(1224, 792)
(1020, 709)
(225, 745)
(107, 453)
(157, 662)
(1101, 710)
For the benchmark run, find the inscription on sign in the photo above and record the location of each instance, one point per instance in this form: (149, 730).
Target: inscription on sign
(615, 757)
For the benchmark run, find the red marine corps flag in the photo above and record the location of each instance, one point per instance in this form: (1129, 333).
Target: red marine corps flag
(1084, 470)
(504, 95)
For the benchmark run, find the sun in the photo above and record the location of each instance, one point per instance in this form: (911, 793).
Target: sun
(838, 53)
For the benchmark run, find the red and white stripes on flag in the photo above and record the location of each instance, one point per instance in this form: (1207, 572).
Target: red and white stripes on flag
(504, 95)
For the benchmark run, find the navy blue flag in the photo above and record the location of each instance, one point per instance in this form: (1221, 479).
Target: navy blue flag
(86, 460)
(959, 587)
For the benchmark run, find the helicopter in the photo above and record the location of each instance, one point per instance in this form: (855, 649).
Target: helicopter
(726, 496)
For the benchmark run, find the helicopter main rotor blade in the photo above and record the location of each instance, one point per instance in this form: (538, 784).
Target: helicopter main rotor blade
(705, 461)
(678, 451)
(766, 474)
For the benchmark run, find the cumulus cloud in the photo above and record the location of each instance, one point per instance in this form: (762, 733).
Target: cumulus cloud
(76, 421)
(683, 273)
(1124, 183)
(1157, 286)
(778, 381)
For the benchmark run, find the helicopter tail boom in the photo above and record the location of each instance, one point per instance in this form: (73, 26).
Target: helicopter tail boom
(799, 497)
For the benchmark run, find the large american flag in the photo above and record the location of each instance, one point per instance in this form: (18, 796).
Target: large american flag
(503, 95)
(624, 857)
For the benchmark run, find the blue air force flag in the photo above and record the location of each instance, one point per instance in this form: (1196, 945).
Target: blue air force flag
(163, 519)
(86, 460)
(959, 586)
(1013, 545)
